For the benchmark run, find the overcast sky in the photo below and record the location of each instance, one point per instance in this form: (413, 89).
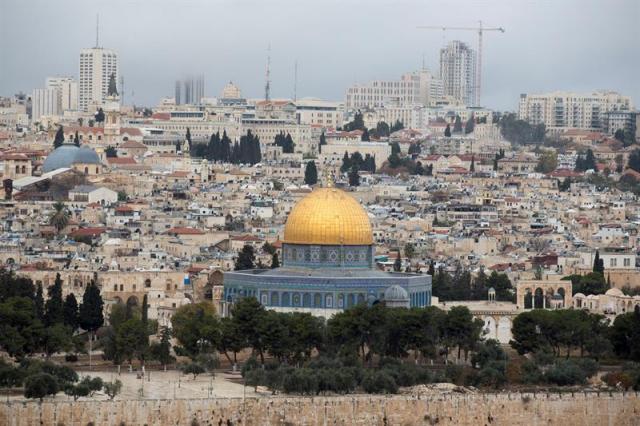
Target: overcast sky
(578, 45)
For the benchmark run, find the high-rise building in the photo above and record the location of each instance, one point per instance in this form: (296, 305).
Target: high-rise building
(458, 64)
(190, 90)
(561, 111)
(67, 88)
(44, 102)
(96, 66)
(419, 87)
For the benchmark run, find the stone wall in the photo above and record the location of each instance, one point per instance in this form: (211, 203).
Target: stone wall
(461, 409)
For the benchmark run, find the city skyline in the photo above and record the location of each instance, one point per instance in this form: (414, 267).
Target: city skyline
(577, 61)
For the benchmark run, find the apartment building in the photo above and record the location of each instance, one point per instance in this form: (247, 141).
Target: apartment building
(419, 87)
(96, 67)
(67, 88)
(458, 71)
(561, 111)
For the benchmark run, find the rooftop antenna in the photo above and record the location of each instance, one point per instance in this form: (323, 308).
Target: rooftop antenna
(267, 85)
(295, 81)
(423, 63)
(122, 89)
(97, 30)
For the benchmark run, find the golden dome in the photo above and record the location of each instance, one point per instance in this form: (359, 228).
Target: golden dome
(328, 216)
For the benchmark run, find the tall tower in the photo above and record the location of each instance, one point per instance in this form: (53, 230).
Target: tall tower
(267, 84)
(458, 72)
(97, 64)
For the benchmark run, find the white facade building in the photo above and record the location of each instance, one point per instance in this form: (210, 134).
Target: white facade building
(419, 87)
(458, 64)
(561, 111)
(96, 67)
(321, 113)
(67, 88)
(44, 102)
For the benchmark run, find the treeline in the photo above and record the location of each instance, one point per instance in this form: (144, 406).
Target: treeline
(462, 286)
(285, 142)
(381, 130)
(519, 131)
(406, 163)
(29, 325)
(368, 163)
(221, 149)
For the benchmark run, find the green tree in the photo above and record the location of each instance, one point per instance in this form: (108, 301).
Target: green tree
(57, 338)
(112, 89)
(111, 152)
(70, 312)
(20, 330)
(547, 162)
(99, 116)
(193, 368)
(59, 138)
(462, 330)
(249, 316)
(54, 308)
(112, 389)
(469, 125)
(90, 315)
(598, 264)
(323, 141)
(245, 259)
(409, 250)
(161, 351)
(311, 173)
(188, 138)
(354, 176)
(39, 303)
(230, 339)
(275, 262)
(60, 217)
(447, 131)
(197, 328)
(625, 335)
(40, 385)
(365, 136)
(634, 160)
(457, 125)
(76, 139)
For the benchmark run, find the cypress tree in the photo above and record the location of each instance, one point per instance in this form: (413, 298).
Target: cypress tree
(354, 176)
(457, 125)
(59, 138)
(90, 315)
(346, 162)
(472, 168)
(397, 264)
(275, 262)
(188, 137)
(76, 139)
(39, 303)
(246, 258)
(323, 141)
(71, 311)
(53, 307)
(311, 173)
(447, 131)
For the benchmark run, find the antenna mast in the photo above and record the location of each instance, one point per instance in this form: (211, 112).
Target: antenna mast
(97, 29)
(295, 81)
(267, 85)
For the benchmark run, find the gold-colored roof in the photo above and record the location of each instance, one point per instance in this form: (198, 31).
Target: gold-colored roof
(328, 216)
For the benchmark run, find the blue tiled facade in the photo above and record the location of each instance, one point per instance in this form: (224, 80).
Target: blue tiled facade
(321, 292)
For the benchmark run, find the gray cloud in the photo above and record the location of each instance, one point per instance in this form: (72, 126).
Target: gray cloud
(549, 45)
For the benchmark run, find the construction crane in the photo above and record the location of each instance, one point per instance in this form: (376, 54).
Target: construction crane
(480, 29)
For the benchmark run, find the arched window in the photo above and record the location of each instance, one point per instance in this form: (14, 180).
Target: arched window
(86, 170)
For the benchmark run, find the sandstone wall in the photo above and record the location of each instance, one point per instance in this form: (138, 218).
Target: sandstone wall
(461, 409)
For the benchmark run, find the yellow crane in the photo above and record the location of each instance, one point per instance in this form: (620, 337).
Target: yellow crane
(480, 29)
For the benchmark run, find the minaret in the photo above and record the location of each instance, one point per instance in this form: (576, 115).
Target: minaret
(267, 85)
(111, 108)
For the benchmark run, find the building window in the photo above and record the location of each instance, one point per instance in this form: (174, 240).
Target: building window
(627, 261)
(613, 262)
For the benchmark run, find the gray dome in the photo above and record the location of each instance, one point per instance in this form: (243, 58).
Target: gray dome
(68, 154)
(396, 293)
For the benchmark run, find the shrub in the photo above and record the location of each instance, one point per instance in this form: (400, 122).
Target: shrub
(193, 368)
(566, 373)
(379, 382)
(71, 358)
(40, 385)
(76, 391)
(618, 379)
(454, 373)
(112, 388)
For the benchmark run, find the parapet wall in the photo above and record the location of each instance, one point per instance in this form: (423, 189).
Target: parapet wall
(461, 409)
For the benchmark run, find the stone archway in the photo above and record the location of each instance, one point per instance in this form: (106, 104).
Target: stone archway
(490, 328)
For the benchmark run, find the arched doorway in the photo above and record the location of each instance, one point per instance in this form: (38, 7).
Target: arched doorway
(538, 299)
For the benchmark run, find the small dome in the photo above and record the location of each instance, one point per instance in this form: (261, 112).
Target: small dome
(67, 155)
(579, 296)
(86, 155)
(614, 292)
(396, 293)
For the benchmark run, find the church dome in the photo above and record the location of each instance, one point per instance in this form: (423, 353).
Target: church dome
(67, 155)
(614, 292)
(328, 216)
